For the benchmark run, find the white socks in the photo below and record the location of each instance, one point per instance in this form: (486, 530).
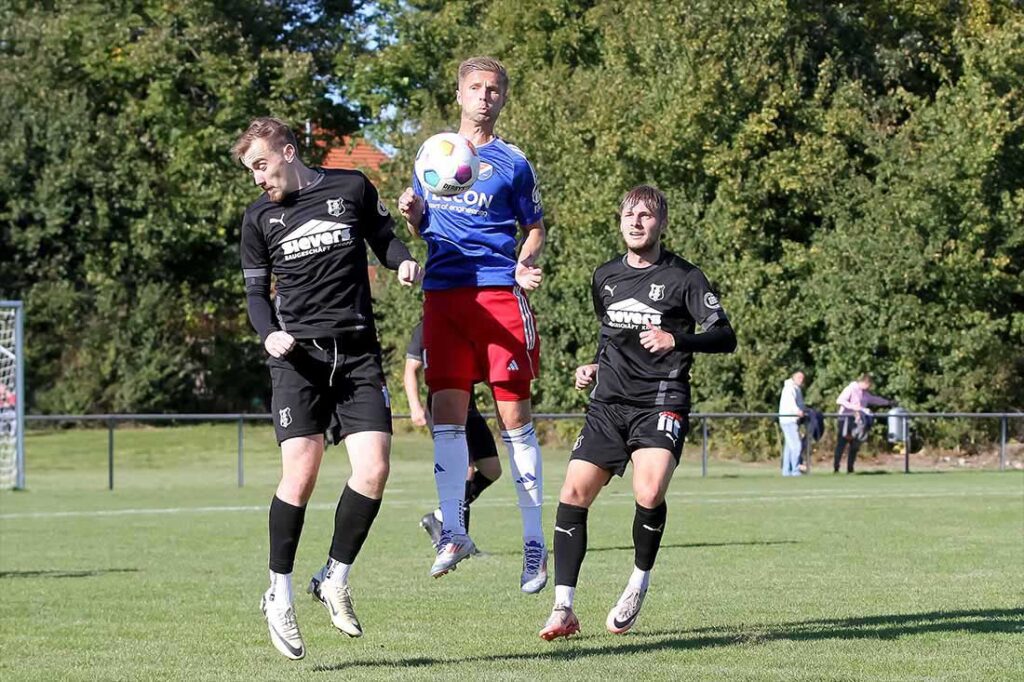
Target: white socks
(564, 595)
(451, 460)
(281, 588)
(337, 571)
(639, 579)
(527, 474)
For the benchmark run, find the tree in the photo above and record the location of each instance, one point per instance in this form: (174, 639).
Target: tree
(119, 204)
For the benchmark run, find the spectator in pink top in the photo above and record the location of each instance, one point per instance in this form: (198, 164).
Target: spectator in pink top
(853, 406)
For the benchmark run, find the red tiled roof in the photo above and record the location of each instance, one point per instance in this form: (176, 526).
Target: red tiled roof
(346, 153)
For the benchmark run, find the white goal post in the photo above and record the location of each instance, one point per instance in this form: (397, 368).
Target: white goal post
(12, 395)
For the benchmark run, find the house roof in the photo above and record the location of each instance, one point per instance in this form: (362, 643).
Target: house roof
(349, 152)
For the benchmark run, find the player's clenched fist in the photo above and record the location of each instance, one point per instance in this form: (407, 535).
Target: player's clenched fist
(656, 340)
(528, 276)
(409, 273)
(279, 344)
(585, 375)
(410, 205)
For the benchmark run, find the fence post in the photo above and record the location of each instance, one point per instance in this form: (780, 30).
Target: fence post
(241, 451)
(905, 423)
(704, 447)
(110, 454)
(1002, 443)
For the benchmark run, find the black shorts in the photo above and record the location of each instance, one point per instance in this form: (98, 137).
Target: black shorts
(612, 432)
(478, 435)
(331, 386)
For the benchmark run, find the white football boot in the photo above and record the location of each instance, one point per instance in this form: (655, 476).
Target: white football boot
(451, 550)
(336, 597)
(623, 615)
(284, 629)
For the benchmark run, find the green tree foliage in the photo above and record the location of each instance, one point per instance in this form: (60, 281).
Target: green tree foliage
(119, 204)
(848, 174)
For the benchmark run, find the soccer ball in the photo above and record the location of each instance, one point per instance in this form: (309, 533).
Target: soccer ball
(447, 164)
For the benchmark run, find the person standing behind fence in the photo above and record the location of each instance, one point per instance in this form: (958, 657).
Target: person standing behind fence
(853, 408)
(791, 409)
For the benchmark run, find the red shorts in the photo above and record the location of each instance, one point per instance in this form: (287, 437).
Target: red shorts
(473, 334)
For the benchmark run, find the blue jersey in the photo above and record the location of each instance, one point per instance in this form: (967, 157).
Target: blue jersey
(471, 237)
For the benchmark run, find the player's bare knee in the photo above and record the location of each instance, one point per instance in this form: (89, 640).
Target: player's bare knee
(575, 495)
(649, 496)
(296, 489)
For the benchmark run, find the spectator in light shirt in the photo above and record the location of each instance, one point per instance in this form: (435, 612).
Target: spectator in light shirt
(853, 407)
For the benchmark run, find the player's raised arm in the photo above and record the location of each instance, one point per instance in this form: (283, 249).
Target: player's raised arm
(528, 273)
(412, 209)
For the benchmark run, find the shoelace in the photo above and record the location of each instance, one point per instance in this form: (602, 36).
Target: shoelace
(291, 626)
(630, 604)
(532, 558)
(444, 540)
(344, 598)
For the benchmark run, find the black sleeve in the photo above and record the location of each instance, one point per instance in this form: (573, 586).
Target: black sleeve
(704, 307)
(414, 351)
(380, 229)
(595, 293)
(719, 339)
(256, 271)
(702, 301)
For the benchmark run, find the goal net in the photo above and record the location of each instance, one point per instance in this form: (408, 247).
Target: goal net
(12, 393)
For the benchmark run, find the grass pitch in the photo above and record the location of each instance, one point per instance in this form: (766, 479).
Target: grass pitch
(880, 577)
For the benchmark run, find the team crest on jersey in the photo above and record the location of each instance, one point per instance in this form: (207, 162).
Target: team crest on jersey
(486, 171)
(657, 292)
(382, 209)
(711, 301)
(336, 207)
(285, 417)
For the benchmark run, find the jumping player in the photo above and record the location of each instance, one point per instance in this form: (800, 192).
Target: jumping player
(308, 231)
(649, 301)
(484, 467)
(477, 323)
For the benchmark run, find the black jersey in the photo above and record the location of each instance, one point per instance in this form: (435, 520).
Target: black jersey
(672, 294)
(313, 243)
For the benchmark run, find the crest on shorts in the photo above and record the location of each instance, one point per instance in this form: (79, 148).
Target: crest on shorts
(657, 292)
(669, 423)
(285, 417)
(382, 209)
(579, 442)
(336, 207)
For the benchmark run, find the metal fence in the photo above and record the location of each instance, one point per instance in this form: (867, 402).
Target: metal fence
(112, 420)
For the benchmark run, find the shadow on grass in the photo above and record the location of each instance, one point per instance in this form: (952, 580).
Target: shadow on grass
(64, 574)
(881, 627)
(686, 545)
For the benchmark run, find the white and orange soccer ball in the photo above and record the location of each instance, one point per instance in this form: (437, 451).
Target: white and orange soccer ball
(447, 164)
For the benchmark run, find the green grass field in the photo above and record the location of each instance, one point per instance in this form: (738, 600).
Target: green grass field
(877, 577)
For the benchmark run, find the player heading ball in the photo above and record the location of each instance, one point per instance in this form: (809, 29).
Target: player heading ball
(649, 302)
(477, 322)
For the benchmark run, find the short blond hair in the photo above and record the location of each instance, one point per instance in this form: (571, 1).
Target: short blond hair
(489, 64)
(651, 196)
(275, 131)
